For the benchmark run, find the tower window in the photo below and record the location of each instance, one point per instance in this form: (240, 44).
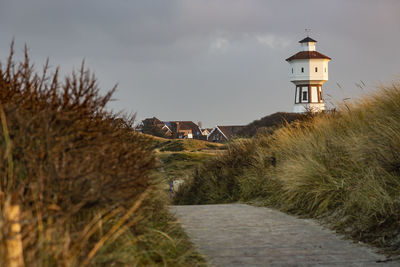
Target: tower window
(305, 96)
(325, 69)
(292, 70)
(302, 69)
(316, 69)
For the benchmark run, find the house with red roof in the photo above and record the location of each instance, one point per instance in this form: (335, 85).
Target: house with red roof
(185, 129)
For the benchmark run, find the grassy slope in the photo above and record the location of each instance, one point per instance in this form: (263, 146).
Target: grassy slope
(180, 157)
(189, 145)
(270, 123)
(343, 168)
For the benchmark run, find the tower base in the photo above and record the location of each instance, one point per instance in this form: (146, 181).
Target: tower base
(308, 107)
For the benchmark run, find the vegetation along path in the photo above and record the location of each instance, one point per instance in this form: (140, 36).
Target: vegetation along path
(243, 235)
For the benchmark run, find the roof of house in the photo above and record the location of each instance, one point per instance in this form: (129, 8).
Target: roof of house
(307, 40)
(307, 55)
(186, 125)
(154, 121)
(230, 131)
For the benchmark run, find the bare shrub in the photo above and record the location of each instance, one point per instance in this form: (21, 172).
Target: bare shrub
(79, 174)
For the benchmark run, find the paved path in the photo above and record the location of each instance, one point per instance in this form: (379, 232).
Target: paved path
(242, 235)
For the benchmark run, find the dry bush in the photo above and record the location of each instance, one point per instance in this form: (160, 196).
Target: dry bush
(79, 173)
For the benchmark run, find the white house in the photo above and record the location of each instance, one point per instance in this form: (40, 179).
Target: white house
(308, 71)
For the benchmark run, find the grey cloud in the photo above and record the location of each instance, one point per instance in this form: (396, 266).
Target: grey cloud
(219, 61)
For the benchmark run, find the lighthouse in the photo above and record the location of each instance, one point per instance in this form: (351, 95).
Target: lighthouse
(308, 71)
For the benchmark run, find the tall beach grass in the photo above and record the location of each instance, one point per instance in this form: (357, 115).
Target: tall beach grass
(342, 167)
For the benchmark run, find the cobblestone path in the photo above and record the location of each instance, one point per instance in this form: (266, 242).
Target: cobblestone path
(242, 235)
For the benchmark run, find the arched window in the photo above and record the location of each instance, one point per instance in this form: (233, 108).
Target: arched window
(302, 69)
(316, 69)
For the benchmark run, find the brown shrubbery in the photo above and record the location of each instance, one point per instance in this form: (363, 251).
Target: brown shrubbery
(79, 174)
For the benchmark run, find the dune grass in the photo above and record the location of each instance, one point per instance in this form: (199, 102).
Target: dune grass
(342, 167)
(76, 185)
(186, 145)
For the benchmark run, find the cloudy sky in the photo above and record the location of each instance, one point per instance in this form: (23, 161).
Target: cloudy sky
(215, 61)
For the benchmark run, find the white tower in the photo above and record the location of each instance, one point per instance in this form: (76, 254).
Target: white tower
(308, 71)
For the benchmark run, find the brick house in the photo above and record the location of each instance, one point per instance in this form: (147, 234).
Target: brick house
(185, 129)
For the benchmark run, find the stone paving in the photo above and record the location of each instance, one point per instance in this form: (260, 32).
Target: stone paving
(242, 235)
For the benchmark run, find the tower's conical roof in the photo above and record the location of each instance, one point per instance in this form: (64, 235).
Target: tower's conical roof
(308, 55)
(307, 40)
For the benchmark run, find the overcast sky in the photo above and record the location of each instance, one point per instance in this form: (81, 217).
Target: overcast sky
(216, 61)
